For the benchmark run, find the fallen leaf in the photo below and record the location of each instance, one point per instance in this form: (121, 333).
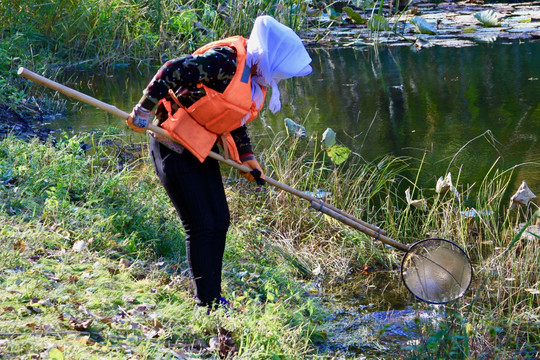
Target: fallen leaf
(157, 324)
(83, 339)
(8, 309)
(522, 196)
(19, 245)
(56, 354)
(34, 309)
(124, 263)
(80, 325)
(79, 246)
(129, 299)
(106, 320)
(445, 184)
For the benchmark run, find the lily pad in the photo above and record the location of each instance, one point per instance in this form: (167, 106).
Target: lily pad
(328, 138)
(334, 15)
(488, 18)
(421, 26)
(364, 4)
(355, 17)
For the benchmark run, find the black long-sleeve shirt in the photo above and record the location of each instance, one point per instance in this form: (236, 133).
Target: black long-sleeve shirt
(214, 68)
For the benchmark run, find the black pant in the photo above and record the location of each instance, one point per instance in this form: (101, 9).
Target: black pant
(196, 191)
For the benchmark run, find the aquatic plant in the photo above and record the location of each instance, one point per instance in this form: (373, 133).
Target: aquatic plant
(377, 23)
(421, 26)
(488, 18)
(294, 129)
(364, 4)
(357, 18)
(328, 138)
(337, 153)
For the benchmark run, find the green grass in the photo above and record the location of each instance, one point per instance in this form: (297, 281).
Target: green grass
(131, 281)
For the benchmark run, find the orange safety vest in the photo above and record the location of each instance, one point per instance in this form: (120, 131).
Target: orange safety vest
(199, 126)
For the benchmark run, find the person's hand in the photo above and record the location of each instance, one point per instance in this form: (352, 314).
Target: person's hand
(256, 174)
(138, 119)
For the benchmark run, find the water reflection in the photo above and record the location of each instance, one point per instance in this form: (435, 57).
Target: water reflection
(394, 100)
(399, 101)
(363, 322)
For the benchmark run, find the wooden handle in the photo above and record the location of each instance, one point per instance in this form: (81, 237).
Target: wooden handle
(366, 230)
(156, 129)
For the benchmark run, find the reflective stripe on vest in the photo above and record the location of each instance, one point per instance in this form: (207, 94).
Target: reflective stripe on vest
(216, 114)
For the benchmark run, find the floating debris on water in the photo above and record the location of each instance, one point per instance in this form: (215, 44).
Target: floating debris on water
(472, 213)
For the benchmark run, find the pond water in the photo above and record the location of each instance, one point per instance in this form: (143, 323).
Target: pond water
(373, 317)
(465, 108)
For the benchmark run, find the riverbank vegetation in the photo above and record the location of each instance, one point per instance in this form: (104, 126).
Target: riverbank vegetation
(93, 266)
(93, 261)
(92, 255)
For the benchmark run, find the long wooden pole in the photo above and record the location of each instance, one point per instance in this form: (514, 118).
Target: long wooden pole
(318, 204)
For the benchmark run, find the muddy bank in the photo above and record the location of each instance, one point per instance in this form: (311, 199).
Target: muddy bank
(21, 126)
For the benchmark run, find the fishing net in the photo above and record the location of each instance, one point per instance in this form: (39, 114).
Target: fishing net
(436, 271)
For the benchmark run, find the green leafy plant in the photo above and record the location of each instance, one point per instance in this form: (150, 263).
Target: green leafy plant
(337, 153)
(355, 17)
(378, 23)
